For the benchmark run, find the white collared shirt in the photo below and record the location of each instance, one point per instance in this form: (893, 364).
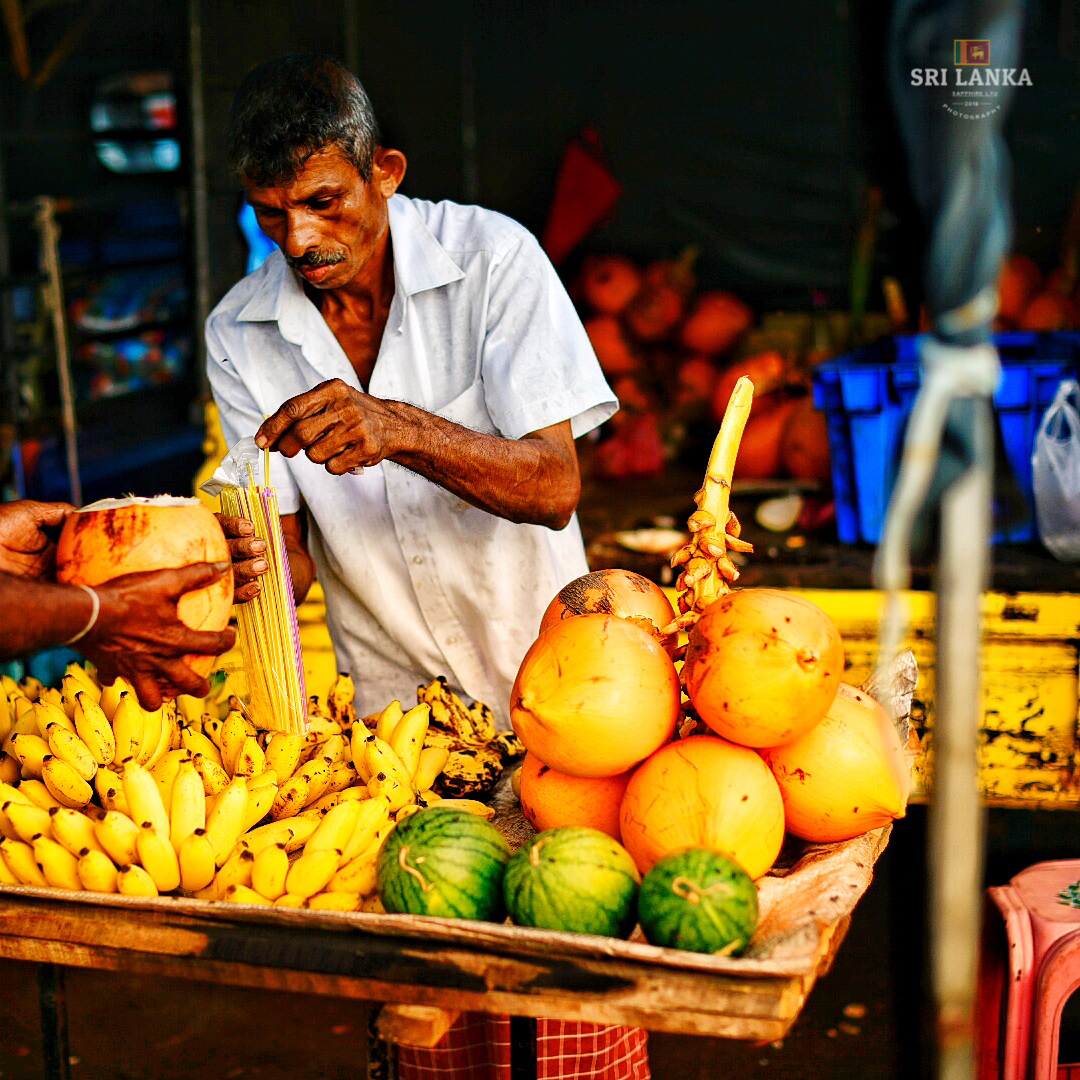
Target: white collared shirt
(480, 331)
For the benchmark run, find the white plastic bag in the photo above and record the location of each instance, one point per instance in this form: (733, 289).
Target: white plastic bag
(1056, 474)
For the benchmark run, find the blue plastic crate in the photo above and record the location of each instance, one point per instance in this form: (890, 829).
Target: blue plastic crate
(867, 397)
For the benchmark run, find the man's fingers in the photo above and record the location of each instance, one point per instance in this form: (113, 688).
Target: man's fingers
(248, 570)
(296, 408)
(206, 642)
(147, 690)
(183, 679)
(243, 593)
(49, 514)
(235, 526)
(249, 547)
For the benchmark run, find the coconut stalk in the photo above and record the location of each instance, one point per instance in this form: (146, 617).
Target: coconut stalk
(708, 573)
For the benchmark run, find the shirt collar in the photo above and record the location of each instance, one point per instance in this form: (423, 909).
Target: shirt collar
(420, 263)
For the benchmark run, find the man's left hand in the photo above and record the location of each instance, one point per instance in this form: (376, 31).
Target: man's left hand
(28, 532)
(334, 425)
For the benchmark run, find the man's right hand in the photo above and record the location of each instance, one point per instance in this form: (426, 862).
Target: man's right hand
(138, 634)
(248, 557)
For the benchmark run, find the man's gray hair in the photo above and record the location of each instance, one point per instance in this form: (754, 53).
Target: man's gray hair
(290, 108)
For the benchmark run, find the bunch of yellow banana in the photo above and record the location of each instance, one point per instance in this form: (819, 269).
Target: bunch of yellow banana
(476, 753)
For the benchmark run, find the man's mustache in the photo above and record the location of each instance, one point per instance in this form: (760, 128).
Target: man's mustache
(315, 259)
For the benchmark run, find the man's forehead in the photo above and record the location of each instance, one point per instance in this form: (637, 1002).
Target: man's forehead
(327, 167)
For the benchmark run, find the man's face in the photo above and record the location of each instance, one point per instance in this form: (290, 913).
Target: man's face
(327, 221)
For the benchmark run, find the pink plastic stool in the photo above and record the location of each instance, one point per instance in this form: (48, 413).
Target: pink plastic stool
(1028, 973)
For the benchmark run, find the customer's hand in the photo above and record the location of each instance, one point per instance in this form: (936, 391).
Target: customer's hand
(138, 634)
(28, 532)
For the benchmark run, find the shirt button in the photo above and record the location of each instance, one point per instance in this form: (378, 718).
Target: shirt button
(451, 641)
(418, 559)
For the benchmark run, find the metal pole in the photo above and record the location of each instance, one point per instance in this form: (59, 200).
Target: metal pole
(45, 218)
(52, 995)
(200, 200)
(956, 810)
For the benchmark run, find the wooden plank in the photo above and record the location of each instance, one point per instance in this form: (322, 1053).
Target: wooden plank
(414, 1025)
(695, 1008)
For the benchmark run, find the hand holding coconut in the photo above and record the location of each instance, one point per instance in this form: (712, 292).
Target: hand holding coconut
(28, 532)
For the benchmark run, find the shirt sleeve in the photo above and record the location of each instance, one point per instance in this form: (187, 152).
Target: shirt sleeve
(538, 367)
(240, 415)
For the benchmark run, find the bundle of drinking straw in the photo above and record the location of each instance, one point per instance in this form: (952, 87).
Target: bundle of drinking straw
(267, 626)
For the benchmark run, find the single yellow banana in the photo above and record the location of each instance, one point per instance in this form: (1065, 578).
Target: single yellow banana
(236, 870)
(74, 830)
(315, 708)
(10, 793)
(36, 792)
(32, 687)
(187, 804)
(9, 686)
(28, 821)
(407, 739)
(356, 876)
(164, 773)
(374, 816)
(190, 709)
(67, 746)
(372, 904)
(119, 836)
(268, 777)
(135, 881)
(151, 735)
(431, 762)
(402, 812)
(158, 858)
(20, 860)
(7, 717)
(129, 725)
(64, 783)
(198, 743)
(225, 822)
(60, 867)
(320, 728)
(6, 828)
(168, 735)
(260, 800)
(110, 696)
(357, 792)
(357, 744)
(144, 799)
(269, 871)
(93, 727)
(339, 701)
(288, 900)
(235, 731)
(196, 860)
(110, 789)
(251, 760)
(388, 719)
(211, 728)
(6, 876)
(336, 828)
(242, 894)
(96, 871)
(324, 803)
(45, 713)
(52, 695)
(335, 749)
(515, 781)
(472, 806)
(25, 721)
(215, 779)
(31, 750)
(333, 901)
(283, 753)
(76, 671)
(311, 873)
(9, 768)
(292, 832)
(317, 773)
(389, 776)
(342, 775)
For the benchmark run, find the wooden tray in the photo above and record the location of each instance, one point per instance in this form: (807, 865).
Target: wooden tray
(456, 964)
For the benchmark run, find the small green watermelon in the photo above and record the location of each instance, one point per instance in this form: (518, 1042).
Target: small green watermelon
(573, 878)
(698, 900)
(443, 861)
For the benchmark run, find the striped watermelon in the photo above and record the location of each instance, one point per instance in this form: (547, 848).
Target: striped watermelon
(573, 878)
(443, 861)
(698, 900)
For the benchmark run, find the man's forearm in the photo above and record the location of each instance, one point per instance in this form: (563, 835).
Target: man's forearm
(35, 615)
(301, 568)
(534, 479)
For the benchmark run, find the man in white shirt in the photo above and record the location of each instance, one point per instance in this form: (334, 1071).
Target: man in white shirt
(423, 374)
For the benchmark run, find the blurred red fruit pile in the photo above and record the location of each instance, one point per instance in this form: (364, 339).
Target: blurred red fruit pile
(672, 355)
(1028, 302)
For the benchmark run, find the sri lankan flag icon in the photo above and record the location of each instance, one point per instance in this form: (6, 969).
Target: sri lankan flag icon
(968, 52)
